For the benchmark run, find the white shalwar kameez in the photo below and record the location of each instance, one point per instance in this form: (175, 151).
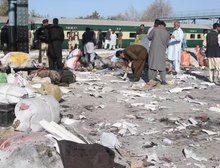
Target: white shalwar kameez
(174, 49)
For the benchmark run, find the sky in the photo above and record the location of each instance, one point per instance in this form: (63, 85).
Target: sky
(76, 8)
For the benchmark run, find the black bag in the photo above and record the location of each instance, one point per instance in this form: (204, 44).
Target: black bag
(76, 155)
(67, 77)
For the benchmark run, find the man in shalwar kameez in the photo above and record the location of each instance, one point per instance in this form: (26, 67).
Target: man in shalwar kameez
(137, 56)
(159, 37)
(175, 44)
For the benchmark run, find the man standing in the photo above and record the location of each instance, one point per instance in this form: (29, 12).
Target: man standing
(100, 39)
(159, 37)
(5, 38)
(213, 53)
(76, 39)
(174, 49)
(89, 43)
(113, 41)
(56, 37)
(137, 56)
(141, 30)
(120, 35)
(107, 39)
(70, 40)
(42, 38)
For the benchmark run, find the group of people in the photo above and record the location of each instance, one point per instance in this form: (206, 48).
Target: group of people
(111, 40)
(160, 42)
(90, 41)
(50, 38)
(73, 39)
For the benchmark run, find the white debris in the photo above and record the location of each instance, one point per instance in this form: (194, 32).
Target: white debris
(207, 84)
(101, 106)
(199, 165)
(107, 89)
(167, 141)
(214, 109)
(209, 132)
(150, 107)
(65, 90)
(189, 154)
(81, 117)
(88, 80)
(192, 121)
(137, 104)
(178, 89)
(197, 102)
(118, 81)
(117, 125)
(109, 140)
(68, 121)
(122, 131)
(153, 158)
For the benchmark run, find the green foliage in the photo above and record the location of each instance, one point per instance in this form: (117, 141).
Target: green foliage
(94, 15)
(33, 13)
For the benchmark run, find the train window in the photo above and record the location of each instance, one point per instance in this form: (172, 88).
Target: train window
(132, 35)
(199, 36)
(192, 36)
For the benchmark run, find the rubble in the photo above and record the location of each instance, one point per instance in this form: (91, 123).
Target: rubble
(175, 125)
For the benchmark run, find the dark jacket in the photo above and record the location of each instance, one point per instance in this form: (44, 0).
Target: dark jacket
(42, 34)
(4, 35)
(56, 33)
(88, 36)
(212, 46)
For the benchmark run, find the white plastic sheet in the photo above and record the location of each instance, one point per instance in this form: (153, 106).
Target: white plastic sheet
(29, 112)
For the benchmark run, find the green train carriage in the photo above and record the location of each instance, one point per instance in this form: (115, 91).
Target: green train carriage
(194, 32)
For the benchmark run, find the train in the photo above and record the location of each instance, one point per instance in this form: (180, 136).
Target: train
(194, 33)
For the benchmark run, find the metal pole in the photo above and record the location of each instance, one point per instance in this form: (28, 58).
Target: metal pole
(12, 25)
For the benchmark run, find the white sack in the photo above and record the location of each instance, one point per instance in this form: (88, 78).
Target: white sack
(29, 112)
(10, 93)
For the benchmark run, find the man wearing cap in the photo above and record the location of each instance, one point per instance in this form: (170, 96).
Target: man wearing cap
(42, 39)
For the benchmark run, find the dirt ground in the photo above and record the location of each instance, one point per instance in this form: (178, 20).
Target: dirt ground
(161, 127)
(156, 122)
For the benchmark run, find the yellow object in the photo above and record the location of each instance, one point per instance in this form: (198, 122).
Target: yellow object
(18, 58)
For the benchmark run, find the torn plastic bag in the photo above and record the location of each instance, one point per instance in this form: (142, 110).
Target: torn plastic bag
(16, 60)
(3, 77)
(12, 93)
(29, 112)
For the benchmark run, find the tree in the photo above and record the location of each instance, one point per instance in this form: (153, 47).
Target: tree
(94, 15)
(3, 7)
(159, 8)
(129, 15)
(117, 17)
(132, 14)
(33, 13)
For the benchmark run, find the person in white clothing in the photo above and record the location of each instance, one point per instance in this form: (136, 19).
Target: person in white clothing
(174, 49)
(113, 40)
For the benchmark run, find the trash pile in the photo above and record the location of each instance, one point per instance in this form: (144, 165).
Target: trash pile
(97, 120)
